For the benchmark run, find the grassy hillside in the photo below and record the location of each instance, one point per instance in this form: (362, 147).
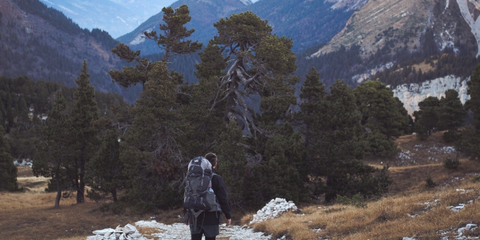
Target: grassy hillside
(411, 209)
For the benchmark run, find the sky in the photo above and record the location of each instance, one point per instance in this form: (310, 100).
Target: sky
(118, 17)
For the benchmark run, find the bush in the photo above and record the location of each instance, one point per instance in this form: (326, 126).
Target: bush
(450, 136)
(476, 179)
(430, 183)
(449, 163)
(357, 200)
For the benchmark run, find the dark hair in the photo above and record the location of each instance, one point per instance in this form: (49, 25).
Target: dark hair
(212, 158)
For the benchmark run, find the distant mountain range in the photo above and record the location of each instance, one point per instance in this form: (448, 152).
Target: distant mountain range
(115, 16)
(394, 41)
(43, 44)
(309, 23)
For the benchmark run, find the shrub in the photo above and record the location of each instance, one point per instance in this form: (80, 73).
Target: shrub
(476, 179)
(430, 183)
(357, 200)
(450, 163)
(450, 137)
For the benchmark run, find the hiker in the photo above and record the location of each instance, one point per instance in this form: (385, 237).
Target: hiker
(207, 223)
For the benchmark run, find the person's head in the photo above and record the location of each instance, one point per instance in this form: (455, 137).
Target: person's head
(212, 158)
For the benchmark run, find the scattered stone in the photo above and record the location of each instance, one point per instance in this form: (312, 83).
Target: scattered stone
(273, 209)
(129, 232)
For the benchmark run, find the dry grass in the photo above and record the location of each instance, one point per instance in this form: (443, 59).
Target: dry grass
(410, 210)
(31, 214)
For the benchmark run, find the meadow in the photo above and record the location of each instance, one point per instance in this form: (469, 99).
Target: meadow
(410, 209)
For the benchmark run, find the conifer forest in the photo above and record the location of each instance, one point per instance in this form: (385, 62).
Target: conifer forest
(276, 133)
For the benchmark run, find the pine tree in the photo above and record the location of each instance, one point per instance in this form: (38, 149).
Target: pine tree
(470, 136)
(426, 119)
(312, 105)
(151, 153)
(451, 115)
(261, 62)
(382, 116)
(337, 147)
(232, 165)
(54, 149)
(8, 171)
(84, 113)
(173, 42)
(105, 171)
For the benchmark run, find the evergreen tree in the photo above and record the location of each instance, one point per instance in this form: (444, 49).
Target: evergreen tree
(173, 42)
(84, 113)
(258, 60)
(452, 115)
(380, 110)
(382, 117)
(338, 148)
(312, 116)
(151, 153)
(426, 119)
(470, 136)
(232, 167)
(8, 171)
(54, 149)
(105, 171)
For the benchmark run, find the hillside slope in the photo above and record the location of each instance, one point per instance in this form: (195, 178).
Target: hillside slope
(401, 24)
(42, 43)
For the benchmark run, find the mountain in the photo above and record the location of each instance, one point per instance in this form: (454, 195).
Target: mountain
(309, 23)
(406, 23)
(42, 43)
(203, 13)
(117, 17)
(401, 43)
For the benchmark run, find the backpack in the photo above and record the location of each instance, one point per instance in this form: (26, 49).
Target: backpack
(199, 195)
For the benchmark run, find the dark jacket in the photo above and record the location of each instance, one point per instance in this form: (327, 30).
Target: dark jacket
(213, 218)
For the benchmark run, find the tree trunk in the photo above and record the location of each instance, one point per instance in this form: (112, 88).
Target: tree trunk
(59, 189)
(81, 187)
(114, 195)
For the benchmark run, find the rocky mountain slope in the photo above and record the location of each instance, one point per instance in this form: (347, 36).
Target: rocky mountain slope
(42, 43)
(308, 22)
(406, 23)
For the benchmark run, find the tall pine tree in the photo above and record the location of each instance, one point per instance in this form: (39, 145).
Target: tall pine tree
(84, 114)
(54, 149)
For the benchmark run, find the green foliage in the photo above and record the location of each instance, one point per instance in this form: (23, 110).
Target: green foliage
(55, 149)
(261, 65)
(426, 119)
(8, 171)
(357, 200)
(450, 163)
(450, 136)
(476, 179)
(335, 145)
(377, 144)
(469, 142)
(232, 163)
(380, 110)
(277, 175)
(172, 42)
(451, 115)
(150, 153)
(429, 183)
(84, 114)
(105, 171)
